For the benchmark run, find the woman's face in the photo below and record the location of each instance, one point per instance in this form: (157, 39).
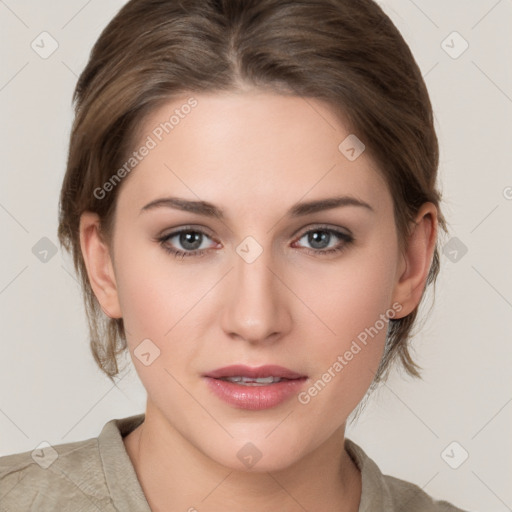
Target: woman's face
(268, 287)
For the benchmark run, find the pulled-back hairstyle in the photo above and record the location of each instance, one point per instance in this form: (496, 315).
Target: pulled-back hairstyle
(347, 53)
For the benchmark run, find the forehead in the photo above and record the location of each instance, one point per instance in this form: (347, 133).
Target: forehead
(245, 148)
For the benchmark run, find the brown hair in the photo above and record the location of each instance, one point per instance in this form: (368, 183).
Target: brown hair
(345, 52)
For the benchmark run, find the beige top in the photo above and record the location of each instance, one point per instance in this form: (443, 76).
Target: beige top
(97, 475)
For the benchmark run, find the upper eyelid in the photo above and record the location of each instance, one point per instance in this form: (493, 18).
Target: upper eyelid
(321, 227)
(306, 229)
(185, 229)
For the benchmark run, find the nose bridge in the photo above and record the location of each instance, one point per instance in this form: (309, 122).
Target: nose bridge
(256, 309)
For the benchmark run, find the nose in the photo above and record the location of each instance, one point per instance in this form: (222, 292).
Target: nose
(257, 310)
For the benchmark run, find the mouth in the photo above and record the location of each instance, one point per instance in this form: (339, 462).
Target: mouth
(254, 388)
(250, 381)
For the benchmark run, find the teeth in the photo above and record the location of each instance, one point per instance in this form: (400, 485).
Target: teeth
(250, 381)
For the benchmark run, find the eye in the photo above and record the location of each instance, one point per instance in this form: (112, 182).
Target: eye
(191, 240)
(325, 240)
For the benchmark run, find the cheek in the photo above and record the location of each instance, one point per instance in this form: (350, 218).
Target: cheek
(154, 290)
(345, 364)
(157, 300)
(359, 320)
(164, 302)
(355, 306)
(148, 304)
(351, 296)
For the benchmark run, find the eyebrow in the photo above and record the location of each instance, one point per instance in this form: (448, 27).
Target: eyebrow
(209, 210)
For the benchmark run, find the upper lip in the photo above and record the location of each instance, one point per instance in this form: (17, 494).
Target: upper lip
(241, 370)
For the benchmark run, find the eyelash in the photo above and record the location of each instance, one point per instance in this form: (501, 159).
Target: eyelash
(348, 239)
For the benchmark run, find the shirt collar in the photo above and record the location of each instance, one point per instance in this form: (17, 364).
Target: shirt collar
(372, 490)
(123, 484)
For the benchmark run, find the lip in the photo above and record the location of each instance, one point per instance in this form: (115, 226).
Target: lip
(254, 397)
(254, 372)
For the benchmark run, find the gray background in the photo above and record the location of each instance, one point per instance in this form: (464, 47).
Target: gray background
(50, 388)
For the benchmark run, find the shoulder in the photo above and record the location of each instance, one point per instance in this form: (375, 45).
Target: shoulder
(408, 496)
(55, 478)
(386, 492)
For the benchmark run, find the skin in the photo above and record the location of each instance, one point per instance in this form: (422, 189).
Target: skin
(254, 154)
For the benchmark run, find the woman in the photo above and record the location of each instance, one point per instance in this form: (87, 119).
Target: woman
(251, 205)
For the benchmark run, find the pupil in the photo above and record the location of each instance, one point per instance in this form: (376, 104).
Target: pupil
(318, 241)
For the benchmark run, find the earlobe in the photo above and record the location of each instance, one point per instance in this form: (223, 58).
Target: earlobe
(416, 261)
(98, 262)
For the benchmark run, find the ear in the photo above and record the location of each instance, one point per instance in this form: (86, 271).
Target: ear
(98, 262)
(414, 264)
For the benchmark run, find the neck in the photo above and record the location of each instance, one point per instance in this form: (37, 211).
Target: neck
(171, 470)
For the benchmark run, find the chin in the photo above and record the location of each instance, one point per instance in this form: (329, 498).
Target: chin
(257, 457)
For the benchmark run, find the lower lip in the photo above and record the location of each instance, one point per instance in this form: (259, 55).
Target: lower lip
(255, 397)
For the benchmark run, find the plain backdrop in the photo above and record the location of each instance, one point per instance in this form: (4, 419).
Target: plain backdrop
(50, 388)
